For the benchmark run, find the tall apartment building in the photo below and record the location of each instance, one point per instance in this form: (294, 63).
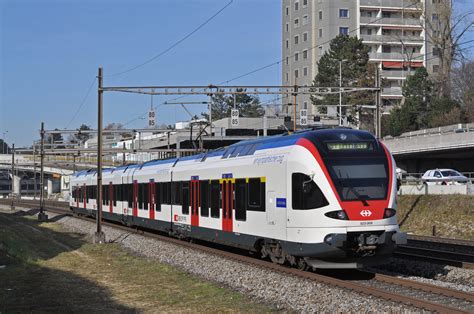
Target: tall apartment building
(394, 30)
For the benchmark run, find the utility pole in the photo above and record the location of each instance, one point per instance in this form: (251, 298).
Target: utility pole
(41, 215)
(99, 236)
(377, 119)
(294, 106)
(34, 169)
(13, 177)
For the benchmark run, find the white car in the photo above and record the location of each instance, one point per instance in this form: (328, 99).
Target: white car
(444, 177)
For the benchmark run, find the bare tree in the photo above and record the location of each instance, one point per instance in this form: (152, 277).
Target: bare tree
(445, 29)
(463, 88)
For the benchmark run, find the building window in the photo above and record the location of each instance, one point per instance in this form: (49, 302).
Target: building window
(287, 44)
(287, 60)
(305, 36)
(320, 14)
(287, 76)
(305, 71)
(296, 73)
(305, 54)
(320, 51)
(344, 31)
(305, 105)
(305, 20)
(344, 13)
(386, 49)
(435, 68)
(320, 33)
(305, 3)
(297, 5)
(296, 39)
(436, 51)
(297, 21)
(287, 11)
(369, 31)
(296, 56)
(287, 27)
(434, 17)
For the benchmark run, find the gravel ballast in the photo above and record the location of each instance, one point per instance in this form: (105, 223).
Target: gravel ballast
(278, 290)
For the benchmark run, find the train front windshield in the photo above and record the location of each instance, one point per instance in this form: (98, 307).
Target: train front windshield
(359, 179)
(356, 163)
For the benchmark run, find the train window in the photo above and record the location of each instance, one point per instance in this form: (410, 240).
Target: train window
(165, 194)
(176, 193)
(158, 196)
(145, 196)
(104, 198)
(140, 195)
(215, 199)
(185, 202)
(236, 151)
(130, 195)
(305, 193)
(204, 198)
(114, 194)
(228, 152)
(240, 200)
(256, 195)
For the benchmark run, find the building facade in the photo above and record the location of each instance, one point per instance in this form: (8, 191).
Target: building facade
(395, 31)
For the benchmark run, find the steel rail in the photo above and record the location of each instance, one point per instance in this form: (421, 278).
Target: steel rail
(60, 207)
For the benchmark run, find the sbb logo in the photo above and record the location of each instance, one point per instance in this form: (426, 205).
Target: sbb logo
(366, 213)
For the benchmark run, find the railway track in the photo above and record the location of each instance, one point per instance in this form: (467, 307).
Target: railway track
(409, 292)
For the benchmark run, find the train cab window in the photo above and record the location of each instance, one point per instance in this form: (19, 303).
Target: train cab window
(185, 200)
(204, 198)
(240, 200)
(215, 196)
(256, 194)
(305, 193)
(176, 193)
(158, 187)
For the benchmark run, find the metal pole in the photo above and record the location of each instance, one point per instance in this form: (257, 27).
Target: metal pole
(99, 236)
(294, 105)
(73, 163)
(123, 154)
(210, 114)
(34, 170)
(41, 215)
(377, 103)
(13, 177)
(340, 92)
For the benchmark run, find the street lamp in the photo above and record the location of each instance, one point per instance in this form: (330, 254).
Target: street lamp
(340, 90)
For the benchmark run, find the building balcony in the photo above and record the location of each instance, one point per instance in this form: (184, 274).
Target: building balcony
(395, 56)
(391, 21)
(392, 38)
(392, 91)
(402, 4)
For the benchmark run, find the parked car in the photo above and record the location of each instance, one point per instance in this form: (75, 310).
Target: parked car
(444, 177)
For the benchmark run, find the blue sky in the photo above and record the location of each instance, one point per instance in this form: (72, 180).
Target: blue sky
(51, 49)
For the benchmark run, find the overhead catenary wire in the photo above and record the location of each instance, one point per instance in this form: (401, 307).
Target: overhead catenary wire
(163, 52)
(265, 66)
(82, 103)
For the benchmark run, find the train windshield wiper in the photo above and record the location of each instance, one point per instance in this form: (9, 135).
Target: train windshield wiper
(359, 197)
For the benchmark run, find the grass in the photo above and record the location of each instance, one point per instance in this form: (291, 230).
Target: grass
(453, 215)
(49, 269)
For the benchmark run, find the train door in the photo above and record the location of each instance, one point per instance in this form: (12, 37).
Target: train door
(135, 198)
(151, 198)
(84, 199)
(195, 200)
(271, 208)
(111, 198)
(227, 191)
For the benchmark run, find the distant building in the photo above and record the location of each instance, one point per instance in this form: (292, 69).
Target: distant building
(394, 30)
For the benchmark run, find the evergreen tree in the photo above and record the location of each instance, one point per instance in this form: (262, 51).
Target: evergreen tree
(356, 72)
(248, 106)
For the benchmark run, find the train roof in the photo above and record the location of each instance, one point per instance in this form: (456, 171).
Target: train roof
(249, 147)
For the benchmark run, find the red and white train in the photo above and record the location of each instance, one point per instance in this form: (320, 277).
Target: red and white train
(323, 198)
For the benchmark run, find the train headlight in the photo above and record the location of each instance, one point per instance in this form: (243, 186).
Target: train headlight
(389, 212)
(338, 214)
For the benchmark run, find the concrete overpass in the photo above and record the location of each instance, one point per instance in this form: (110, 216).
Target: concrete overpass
(444, 147)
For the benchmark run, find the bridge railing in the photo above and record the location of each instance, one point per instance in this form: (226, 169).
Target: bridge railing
(414, 178)
(455, 128)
